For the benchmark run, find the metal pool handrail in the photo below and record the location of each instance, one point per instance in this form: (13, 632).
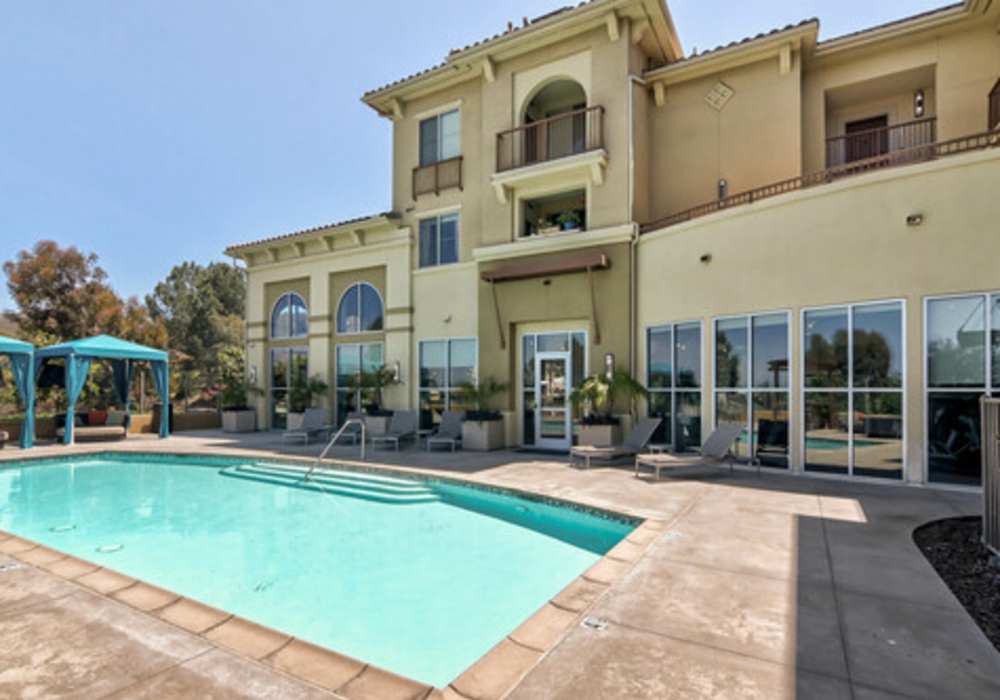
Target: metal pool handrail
(333, 441)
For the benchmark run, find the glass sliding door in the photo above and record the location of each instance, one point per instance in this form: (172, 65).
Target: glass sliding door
(352, 360)
(853, 378)
(673, 377)
(752, 385)
(288, 366)
(962, 356)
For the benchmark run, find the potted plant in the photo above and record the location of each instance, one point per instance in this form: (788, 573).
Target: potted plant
(238, 416)
(545, 226)
(303, 395)
(371, 385)
(569, 220)
(483, 429)
(594, 401)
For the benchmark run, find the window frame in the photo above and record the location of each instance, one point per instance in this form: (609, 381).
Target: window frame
(673, 390)
(986, 389)
(438, 219)
(447, 389)
(851, 391)
(359, 347)
(437, 118)
(359, 285)
(290, 295)
(523, 390)
(749, 390)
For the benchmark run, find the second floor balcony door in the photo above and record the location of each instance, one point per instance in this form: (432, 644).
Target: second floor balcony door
(866, 138)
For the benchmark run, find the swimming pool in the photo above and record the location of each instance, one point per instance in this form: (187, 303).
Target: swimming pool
(420, 577)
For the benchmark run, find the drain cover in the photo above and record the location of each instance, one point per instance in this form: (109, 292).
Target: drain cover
(110, 548)
(62, 528)
(595, 623)
(10, 566)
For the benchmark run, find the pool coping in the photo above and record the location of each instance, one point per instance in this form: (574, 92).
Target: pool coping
(491, 677)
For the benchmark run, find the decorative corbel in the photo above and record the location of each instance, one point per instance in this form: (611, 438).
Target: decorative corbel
(358, 236)
(272, 254)
(785, 59)
(300, 248)
(501, 192)
(639, 30)
(396, 108)
(611, 20)
(489, 70)
(659, 94)
(329, 241)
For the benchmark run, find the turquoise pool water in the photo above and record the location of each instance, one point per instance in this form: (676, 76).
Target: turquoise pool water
(420, 578)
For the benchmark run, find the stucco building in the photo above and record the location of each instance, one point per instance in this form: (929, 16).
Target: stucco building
(799, 235)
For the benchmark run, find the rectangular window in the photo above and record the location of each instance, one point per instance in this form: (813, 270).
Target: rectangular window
(289, 366)
(751, 384)
(853, 389)
(439, 240)
(440, 138)
(352, 360)
(445, 366)
(673, 377)
(962, 359)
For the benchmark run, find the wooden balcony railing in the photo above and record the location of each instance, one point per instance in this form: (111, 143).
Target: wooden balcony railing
(863, 145)
(563, 135)
(933, 151)
(438, 176)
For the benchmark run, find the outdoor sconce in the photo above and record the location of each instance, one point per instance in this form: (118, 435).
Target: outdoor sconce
(706, 258)
(915, 219)
(609, 366)
(397, 372)
(918, 103)
(723, 188)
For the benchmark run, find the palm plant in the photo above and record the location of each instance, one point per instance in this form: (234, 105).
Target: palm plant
(595, 398)
(481, 395)
(303, 393)
(372, 383)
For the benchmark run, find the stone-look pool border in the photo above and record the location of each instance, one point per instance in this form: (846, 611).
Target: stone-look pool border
(492, 677)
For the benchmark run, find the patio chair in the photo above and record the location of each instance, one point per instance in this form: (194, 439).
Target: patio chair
(314, 422)
(718, 449)
(4, 437)
(402, 426)
(449, 432)
(352, 431)
(635, 443)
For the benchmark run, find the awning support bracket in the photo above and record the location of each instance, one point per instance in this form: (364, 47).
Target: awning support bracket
(496, 308)
(593, 306)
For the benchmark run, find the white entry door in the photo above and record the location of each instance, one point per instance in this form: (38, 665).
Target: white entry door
(553, 385)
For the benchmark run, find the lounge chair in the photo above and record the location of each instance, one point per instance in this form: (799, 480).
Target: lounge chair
(4, 437)
(313, 423)
(718, 449)
(352, 431)
(635, 443)
(449, 432)
(402, 426)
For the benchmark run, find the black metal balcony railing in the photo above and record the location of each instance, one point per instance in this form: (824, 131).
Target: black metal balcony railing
(933, 151)
(871, 143)
(438, 176)
(563, 135)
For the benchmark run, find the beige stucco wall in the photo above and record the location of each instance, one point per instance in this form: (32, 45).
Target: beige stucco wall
(839, 243)
(753, 140)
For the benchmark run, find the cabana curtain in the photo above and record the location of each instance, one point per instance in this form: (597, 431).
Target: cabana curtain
(77, 369)
(21, 356)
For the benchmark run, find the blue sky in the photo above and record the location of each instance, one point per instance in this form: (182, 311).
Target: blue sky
(153, 132)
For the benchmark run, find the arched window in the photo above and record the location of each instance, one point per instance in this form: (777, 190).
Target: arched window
(290, 317)
(360, 310)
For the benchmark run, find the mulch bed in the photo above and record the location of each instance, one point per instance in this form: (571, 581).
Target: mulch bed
(955, 549)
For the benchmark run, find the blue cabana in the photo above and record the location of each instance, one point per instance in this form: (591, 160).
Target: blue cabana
(20, 355)
(78, 355)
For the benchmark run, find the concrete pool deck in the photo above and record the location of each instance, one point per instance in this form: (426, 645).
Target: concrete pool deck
(754, 587)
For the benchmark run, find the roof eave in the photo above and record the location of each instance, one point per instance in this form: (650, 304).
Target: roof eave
(283, 240)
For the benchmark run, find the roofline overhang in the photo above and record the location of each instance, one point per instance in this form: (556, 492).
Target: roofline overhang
(801, 37)
(468, 63)
(331, 230)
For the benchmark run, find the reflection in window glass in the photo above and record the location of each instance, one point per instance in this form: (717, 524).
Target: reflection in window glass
(288, 366)
(687, 344)
(878, 346)
(360, 310)
(827, 435)
(660, 354)
(878, 435)
(687, 421)
(660, 405)
(770, 351)
(731, 407)
(953, 438)
(731, 353)
(770, 428)
(445, 366)
(995, 339)
(574, 343)
(290, 317)
(579, 359)
(956, 342)
(371, 309)
(351, 360)
(673, 377)
(553, 342)
(462, 363)
(826, 348)
(280, 318)
(433, 364)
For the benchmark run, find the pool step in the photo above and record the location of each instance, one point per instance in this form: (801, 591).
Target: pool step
(342, 483)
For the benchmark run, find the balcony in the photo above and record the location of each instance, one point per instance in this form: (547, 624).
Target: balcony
(435, 177)
(563, 135)
(881, 161)
(865, 144)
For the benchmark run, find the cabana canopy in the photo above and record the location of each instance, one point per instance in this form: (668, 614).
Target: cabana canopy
(21, 354)
(78, 355)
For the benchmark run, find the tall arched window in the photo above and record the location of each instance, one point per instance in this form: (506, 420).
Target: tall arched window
(290, 317)
(360, 310)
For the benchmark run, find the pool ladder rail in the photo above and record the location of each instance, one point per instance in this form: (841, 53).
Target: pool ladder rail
(333, 441)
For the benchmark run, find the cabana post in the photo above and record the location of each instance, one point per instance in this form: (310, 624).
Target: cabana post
(21, 356)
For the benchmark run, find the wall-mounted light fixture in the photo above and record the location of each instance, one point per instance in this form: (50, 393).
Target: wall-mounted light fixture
(915, 219)
(918, 103)
(723, 188)
(706, 258)
(609, 366)
(397, 373)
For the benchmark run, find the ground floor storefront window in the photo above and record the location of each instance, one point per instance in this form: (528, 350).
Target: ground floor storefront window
(352, 360)
(445, 366)
(962, 356)
(673, 378)
(288, 367)
(752, 384)
(853, 396)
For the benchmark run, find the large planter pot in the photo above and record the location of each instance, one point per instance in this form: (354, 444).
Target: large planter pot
(483, 436)
(295, 421)
(600, 435)
(377, 425)
(239, 421)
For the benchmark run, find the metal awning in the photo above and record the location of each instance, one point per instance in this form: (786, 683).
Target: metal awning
(586, 261)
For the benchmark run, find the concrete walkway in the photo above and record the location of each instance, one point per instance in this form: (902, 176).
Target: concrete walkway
(760, 587)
